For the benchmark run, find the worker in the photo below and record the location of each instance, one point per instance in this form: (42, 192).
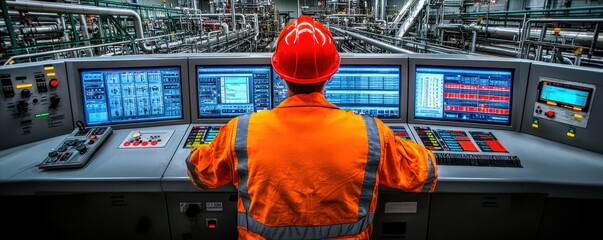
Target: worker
(307, 169)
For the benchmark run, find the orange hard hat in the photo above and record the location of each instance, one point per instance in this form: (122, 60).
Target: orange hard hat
(305, 52)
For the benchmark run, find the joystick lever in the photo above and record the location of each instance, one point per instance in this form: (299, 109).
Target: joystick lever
(82, 128)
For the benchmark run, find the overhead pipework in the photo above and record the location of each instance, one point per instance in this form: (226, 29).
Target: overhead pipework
(565, 32)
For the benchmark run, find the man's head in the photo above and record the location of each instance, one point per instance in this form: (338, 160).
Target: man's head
(305, 55)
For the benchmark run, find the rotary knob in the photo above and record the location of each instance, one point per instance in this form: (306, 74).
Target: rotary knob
(25, 93)
(81, 148)
(136, 136)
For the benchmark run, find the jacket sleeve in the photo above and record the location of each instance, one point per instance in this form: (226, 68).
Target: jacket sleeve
(406, 165)
(210, 165)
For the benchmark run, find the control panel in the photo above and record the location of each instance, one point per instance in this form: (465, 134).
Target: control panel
(201, 135)
(34, 104)
(445, 140)
(466, 147)
(76, 149)
(400, 131)
(146, 139)
(563, 101)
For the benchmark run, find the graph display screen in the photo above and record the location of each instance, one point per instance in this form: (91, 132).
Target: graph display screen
(565, 95)
(364, 89)
(130, 95)
(463, 94)
(230, 91)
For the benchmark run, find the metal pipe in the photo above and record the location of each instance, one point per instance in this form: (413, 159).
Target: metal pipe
(41, 29)
(382, 10)
(78, 9)
(591, 50)
(375, 9)
(374, 42)
(473, 40)
(527, 23)
(232, 13)
(223, 15)
(60, 51)
(85, 34)
(512, 33)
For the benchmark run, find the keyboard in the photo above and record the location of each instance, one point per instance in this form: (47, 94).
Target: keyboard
(460, 159)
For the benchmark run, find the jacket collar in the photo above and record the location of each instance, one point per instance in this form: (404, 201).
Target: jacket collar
(307, 100)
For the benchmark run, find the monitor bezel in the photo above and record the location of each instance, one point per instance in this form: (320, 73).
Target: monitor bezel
(75, 84)
(233, 66)
(218, 60)
(520, 70)
(400, 60)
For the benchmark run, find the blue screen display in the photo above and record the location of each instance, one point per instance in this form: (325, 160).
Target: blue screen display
(565, 95)
(364, 89)
(129, 95)
(463, 94)
(230, 91)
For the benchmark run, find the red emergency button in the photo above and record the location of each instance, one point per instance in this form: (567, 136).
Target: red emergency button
(54, 83)
(550, 114)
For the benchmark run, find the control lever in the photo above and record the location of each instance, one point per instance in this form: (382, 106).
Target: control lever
(82, 128)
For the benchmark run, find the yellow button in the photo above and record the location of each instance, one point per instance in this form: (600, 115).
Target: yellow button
(535, 125)
(577, 115)
(569, 134)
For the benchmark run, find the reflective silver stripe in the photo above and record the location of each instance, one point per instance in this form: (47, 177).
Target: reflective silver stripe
(304, 232)
(241, 151)
(193, 171)
(370, 172)
(430, 175)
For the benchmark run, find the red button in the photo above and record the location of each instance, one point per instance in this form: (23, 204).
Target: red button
(154, 143)
(126, 144)
(550, 114)
(145, 143)
(136, 143)
(211, 225)
(92, 137)
(54, 83)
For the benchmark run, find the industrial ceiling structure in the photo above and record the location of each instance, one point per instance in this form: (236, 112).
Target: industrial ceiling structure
(561, 31)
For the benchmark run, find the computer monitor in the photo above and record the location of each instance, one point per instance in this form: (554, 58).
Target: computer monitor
(126, 95)
(226, 91)
(364, 89)
(122, 92)
(464, 94)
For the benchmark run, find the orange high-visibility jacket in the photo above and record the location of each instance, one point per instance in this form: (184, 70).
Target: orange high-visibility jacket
(309, 170)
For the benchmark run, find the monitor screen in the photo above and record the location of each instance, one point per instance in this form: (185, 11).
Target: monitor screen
(229, 91)
(565, 95)
(364, 89)
(463, 94)
(131, 95)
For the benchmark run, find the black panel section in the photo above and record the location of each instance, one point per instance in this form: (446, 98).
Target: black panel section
(485, 216)
(401, 215)
(86, 216)
(566, 218)
(219, 209)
